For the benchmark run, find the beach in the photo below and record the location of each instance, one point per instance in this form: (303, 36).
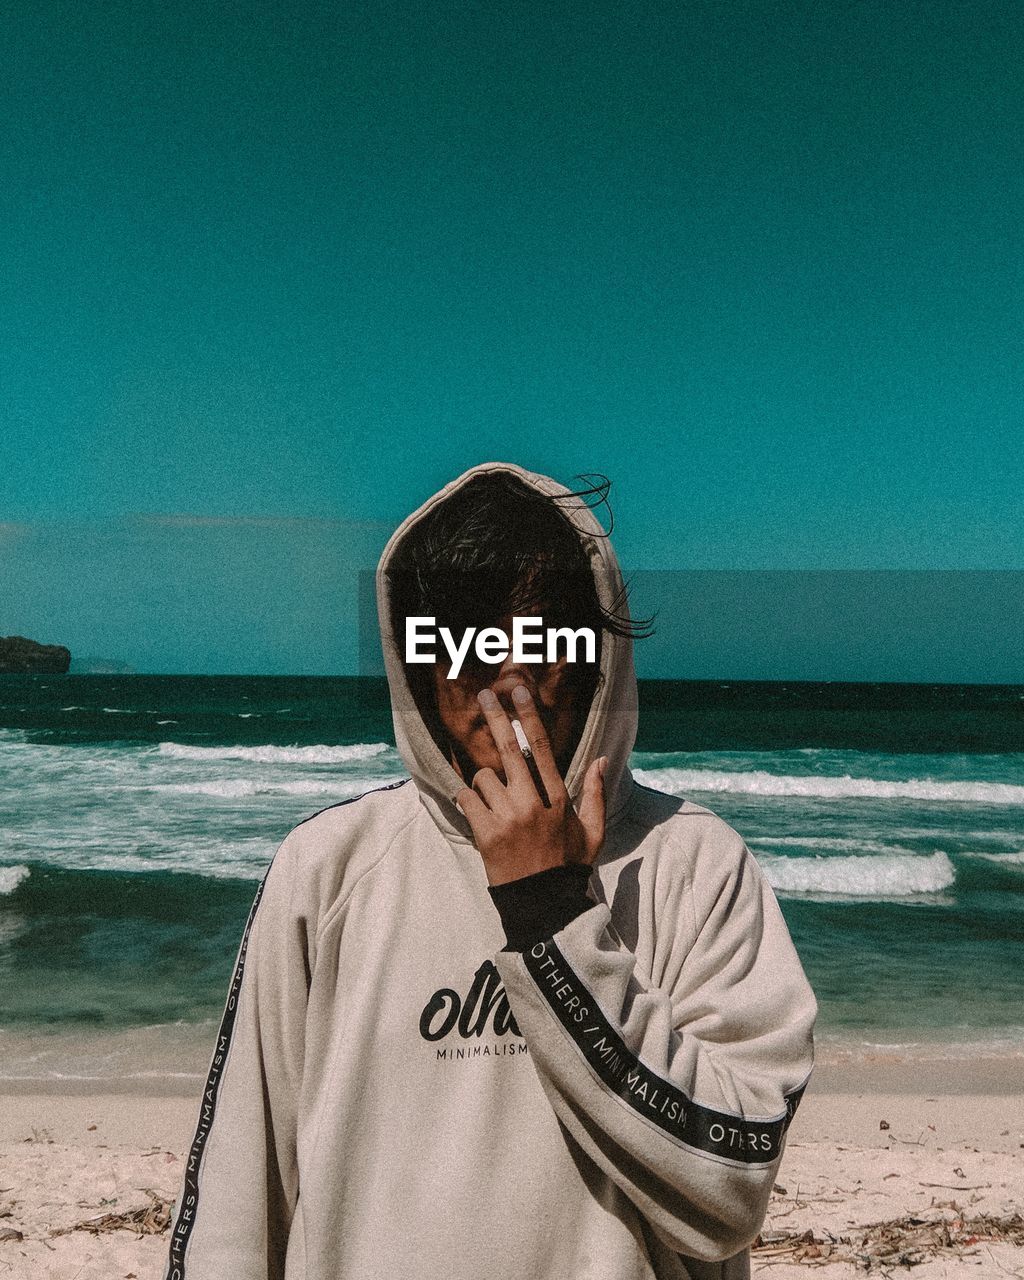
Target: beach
(883, 1140)
(142, 812)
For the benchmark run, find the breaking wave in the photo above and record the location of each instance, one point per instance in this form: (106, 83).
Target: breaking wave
(899, 876)
(759, 782)
(278, 755)
(10, 878)
(234, 788)
(834, 842)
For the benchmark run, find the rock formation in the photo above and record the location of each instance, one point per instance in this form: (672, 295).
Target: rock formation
(27, 657)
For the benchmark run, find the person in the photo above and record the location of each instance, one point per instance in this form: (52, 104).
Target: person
(516, 1014)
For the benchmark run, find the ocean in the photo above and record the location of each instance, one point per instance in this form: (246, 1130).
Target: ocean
(138, 813)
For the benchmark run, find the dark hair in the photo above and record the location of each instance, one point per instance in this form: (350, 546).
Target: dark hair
(498, 546)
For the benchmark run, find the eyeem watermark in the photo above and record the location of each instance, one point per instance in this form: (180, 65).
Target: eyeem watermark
(531, 641)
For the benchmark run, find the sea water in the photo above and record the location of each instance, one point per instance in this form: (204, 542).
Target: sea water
(138, 814)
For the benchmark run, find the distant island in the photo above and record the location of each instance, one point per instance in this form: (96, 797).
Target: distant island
(21, 656)
(88, 665)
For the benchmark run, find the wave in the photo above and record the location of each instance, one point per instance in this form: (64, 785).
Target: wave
(898, 876)
(277, 755)
(1003, 859)
(233, 788)
(10, 878)
(834, 842)
(967, 1042)
(941, 833)
(208, 858)
(759, 782)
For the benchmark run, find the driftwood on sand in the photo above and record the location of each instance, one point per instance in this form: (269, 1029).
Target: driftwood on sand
(898, 1242)
(146, 1220)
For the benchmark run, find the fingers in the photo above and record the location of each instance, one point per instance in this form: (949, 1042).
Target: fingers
(473, 807)
(487, 784)
(516, 770)
(540, 743)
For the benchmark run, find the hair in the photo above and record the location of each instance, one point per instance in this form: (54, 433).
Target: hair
(498, 546)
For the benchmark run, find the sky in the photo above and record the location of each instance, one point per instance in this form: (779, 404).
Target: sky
(274, 273)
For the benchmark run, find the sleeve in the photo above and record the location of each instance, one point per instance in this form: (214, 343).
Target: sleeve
(680, 1089)
(240, 1183)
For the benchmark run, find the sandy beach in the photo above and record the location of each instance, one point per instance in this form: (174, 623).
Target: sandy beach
(877, 1140)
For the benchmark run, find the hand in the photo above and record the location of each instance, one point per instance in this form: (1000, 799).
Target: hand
(516, 832)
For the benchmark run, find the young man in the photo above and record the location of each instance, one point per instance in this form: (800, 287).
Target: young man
(516, 1016)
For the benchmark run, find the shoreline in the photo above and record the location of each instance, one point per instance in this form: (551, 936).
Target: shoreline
(835, 1115)
(62, 1063)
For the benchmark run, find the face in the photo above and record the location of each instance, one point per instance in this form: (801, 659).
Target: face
(561, 692)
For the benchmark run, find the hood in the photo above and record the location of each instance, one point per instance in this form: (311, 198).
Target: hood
(610, 727)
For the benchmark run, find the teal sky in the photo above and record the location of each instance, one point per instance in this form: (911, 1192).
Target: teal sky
(271, 274)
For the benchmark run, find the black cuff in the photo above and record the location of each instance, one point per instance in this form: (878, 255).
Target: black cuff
(537, 906)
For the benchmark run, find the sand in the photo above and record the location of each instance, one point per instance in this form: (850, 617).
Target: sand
(875, 1139)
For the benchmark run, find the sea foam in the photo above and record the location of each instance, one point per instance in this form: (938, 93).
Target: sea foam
(234, 788)
(277, 755)
(898, 876)
(758, 782)
(10, 878)
(835, 842)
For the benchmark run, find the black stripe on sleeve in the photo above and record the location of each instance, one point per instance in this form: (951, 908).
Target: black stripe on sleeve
(190, 1192)
(659, 1101)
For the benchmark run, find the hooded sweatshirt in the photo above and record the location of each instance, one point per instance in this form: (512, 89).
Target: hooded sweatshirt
(582, 1074)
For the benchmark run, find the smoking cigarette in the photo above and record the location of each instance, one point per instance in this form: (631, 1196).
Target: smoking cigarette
(524, 745)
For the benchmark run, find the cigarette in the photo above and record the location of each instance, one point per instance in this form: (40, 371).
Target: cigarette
(524, 745)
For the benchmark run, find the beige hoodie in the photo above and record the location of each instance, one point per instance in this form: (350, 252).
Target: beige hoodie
(420, 1078)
